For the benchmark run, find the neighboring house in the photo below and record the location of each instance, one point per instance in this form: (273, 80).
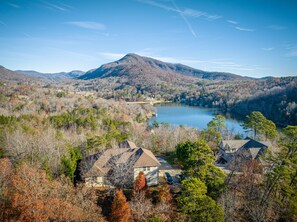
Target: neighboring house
(241, 150)
(119, 167)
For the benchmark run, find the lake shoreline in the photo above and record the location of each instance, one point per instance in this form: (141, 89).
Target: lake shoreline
(228, 114)
(193, 116)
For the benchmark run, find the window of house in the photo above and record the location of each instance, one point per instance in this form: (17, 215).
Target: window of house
(146, 168)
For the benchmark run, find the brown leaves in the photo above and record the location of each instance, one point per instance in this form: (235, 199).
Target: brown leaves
(141, 207)
(120, 210)
(36, 198)
(5, 171)
(251, 172)
(164, 194)
(33, 197)
(140, 183)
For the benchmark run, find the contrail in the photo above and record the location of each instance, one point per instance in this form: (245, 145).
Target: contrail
(185, 19)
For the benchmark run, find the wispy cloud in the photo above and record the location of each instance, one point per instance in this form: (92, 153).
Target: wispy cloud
(232, 22)
(224, 65)
(58, 7)
(159, 5)
(291, 50)
(2, 23)
(235, 24)
(155, 53)
(149, 53)
(14, 5)
(235, 68)
(267, 49)
(277, 27)
(196, 14)
(184, 13)
(88, 25)
(170, 59)
(183, 60)
(111, 55)
(66, 6)
(229, 65)
(244, 29)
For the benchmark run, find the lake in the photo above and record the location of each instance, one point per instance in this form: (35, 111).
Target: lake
(192, 116)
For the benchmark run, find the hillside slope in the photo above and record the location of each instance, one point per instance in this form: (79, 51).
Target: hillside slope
(133, 65)
(52, 76)
(9, 75)
(278, 105)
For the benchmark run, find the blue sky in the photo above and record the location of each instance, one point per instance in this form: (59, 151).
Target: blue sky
(246, 37)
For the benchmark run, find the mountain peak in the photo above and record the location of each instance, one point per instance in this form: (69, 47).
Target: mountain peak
(134, 66)
(131, 56)
(6, 74)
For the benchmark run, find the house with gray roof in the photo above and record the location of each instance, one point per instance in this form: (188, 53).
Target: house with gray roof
(247, 149)
(119, 167)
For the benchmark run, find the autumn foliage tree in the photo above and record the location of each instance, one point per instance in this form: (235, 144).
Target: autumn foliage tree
(32, 197)
(5, 171)
(140, 183)
(120, 210)
(164, 194)
(141, 207)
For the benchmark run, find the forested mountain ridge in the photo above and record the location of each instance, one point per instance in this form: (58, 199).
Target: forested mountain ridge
(52, 76)
(136, 78)
(280, 105)
(9, 75)
(274, 97)
(135, 65)
(239, 97)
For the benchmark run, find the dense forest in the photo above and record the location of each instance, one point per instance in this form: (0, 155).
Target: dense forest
(275, 97)
(44, 132)
(46, 128)
(148, 111)
(137, 78)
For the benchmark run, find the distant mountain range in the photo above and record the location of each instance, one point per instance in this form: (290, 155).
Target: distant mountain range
(6, 74)
(52, 76)
(135, 78)
(133, 65)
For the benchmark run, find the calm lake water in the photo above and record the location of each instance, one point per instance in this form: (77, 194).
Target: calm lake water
(192, 116)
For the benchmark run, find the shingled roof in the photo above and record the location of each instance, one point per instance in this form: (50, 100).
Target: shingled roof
(99, 164)
(127, 144)
(233, 144)
(254, 148)
(146, 158)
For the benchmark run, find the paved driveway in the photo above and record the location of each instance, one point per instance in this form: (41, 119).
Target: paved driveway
(164, 164)
(166, 167)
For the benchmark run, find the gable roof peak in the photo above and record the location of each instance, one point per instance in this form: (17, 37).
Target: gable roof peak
(127, 144)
